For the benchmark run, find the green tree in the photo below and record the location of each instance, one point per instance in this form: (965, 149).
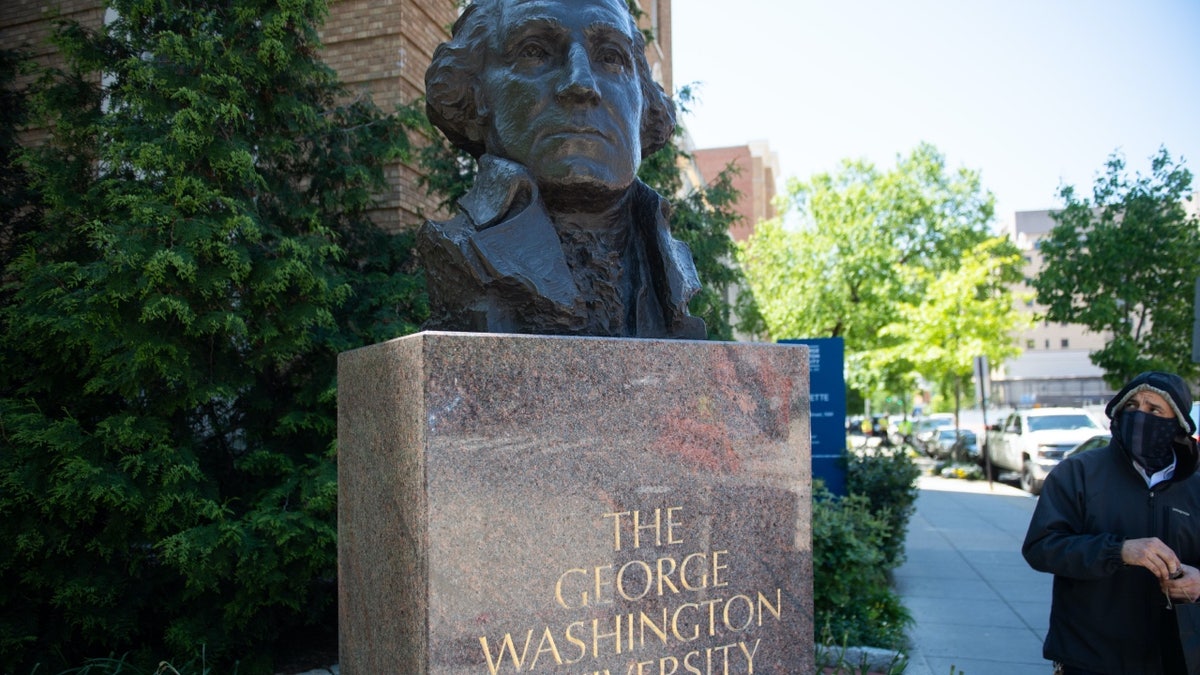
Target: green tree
(19, 209)
(964, 313)
(169, 332)
(1122, 264)
(869, 243)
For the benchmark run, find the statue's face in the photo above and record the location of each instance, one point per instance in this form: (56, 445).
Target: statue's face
(561, 93)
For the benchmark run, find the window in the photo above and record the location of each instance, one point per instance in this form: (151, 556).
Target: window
(1031, 344)
(1066, 344)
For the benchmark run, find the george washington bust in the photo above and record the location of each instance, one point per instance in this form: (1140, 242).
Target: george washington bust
(557, 236)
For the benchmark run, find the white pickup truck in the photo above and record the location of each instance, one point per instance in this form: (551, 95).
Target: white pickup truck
(1033, 441)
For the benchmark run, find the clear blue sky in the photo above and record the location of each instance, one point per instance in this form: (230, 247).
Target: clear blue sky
(1031, 93)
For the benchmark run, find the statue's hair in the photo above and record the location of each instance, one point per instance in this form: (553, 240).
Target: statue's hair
(453, 98)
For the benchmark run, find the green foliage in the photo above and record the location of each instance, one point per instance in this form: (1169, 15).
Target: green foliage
(1124, 263)
(871, 242)
(857, 540)
(964, 313)
(19, 211)
(852, 600)
(169, 332)
(887, 479)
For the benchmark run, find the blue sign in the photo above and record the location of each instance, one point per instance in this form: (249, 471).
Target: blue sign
(827, 396)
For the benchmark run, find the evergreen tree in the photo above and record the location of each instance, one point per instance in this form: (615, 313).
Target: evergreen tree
(169, 332)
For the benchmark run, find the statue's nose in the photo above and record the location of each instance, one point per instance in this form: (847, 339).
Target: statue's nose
(578, 81)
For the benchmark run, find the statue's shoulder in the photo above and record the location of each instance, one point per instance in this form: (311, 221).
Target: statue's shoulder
(456, 229)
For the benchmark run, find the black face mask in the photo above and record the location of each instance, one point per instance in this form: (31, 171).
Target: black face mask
(1149, 438)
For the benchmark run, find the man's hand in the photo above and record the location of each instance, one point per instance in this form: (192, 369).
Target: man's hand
(1152, 554)
(1186, 587)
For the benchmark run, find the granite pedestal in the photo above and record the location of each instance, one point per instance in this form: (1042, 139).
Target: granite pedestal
(512, 504)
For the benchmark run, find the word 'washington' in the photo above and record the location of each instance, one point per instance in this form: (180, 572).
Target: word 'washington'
(698, 572)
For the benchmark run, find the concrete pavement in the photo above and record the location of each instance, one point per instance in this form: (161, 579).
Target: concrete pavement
(977, 606)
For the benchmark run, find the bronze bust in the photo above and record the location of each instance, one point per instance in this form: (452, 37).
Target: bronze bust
(557, 236)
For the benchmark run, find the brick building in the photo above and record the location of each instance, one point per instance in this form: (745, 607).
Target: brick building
(380, 46)
(757, 168)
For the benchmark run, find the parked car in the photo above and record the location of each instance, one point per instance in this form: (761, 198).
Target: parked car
(927, 429)
(1033, 441)
(957, 444)
(1094, 443)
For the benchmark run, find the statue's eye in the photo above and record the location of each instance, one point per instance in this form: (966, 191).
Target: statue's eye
(613, 58)
(532, 50)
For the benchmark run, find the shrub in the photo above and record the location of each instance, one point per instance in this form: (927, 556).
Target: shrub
(887, 479)
(169, 328)
(853, 601)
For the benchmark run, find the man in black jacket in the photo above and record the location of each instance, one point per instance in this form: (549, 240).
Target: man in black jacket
(1119, 528)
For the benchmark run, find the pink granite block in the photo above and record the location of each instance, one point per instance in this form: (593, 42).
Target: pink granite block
(513, 503)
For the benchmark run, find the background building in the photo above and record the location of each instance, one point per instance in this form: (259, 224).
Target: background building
(757, 168)
(1054, 367)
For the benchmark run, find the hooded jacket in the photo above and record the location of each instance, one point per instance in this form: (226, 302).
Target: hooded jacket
(1106, 616)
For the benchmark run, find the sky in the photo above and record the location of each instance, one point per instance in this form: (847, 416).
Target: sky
(1032, 94)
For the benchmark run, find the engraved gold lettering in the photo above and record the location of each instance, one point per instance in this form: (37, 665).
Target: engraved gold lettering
(629, 629)
(712, 615)
(546, 646)
(675, 623)
(749, 656)
(597, 635)
(683, 572)
(749, 613)
(599, 584)
(621, 590)
(576, 641)
(558, 590)
(656, 527)
(672, 524)
(724, 649)
(763, 602)
(717, 567)
(506, 645)
(644, 633)
(664, 577)
(616, 527)
(660, 631)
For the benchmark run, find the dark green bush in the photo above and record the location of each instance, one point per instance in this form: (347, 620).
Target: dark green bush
(169, 329)
(857, 540)
(887, 479)
(853, 600)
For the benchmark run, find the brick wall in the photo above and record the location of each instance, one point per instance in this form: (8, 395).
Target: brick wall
(379, 46)
(383, 47)
(755, 181)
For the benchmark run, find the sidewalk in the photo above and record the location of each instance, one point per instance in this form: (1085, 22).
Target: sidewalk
(976, 605)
